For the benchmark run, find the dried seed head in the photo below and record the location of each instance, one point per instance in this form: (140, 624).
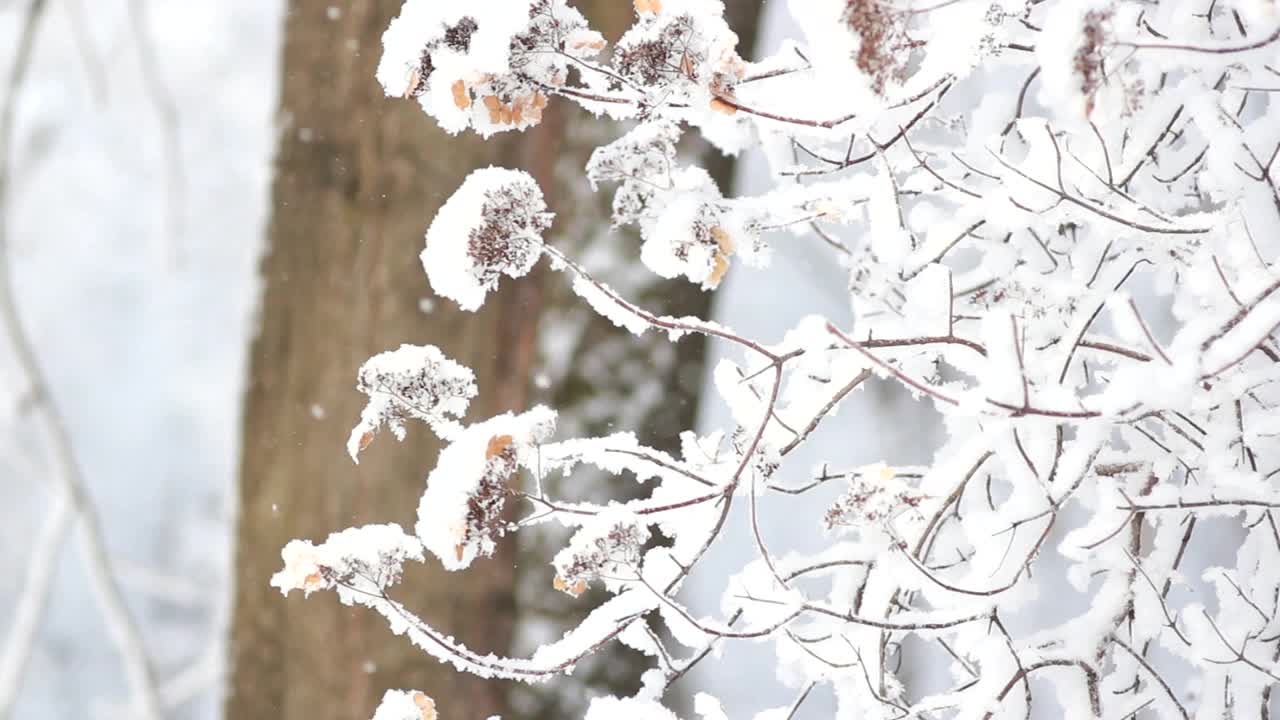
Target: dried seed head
(1089, 58)
(884, 48)
(458, 37)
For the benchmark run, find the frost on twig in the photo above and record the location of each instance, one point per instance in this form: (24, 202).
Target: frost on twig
(1056, 226)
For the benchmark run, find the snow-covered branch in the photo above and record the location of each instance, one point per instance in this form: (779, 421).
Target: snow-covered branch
(1060, 229)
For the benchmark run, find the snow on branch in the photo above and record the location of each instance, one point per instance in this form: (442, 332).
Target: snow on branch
(1058, 226)
(373, 552)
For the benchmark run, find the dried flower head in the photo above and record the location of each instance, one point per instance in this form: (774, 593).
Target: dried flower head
(490, 227)
(1088, 62)
(604, 548)
(884, 46)
(875, 496)
(662, 56)
(353, 560)
(460, 516)
(678, 50)
(413, 381)
(642, 161)
(483, 66)
(483, 520)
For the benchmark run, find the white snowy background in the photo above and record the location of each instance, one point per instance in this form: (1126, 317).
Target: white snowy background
(139, 185)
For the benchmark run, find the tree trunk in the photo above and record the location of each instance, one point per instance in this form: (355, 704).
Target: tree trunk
(358, 179)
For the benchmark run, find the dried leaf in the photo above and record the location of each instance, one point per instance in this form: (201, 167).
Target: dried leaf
(723, 107)
(494, 105)
(461, 97)
(415, 79)
(723, 240)
(575, 589)
(720, 263)
(593, 41)
(498, 444)
(426, 705)
(366, 440)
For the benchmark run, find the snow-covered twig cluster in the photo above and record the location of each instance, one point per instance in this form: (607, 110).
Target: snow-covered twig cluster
(1060, 224)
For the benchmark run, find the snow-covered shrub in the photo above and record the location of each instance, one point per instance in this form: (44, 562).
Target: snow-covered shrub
(1060, 223)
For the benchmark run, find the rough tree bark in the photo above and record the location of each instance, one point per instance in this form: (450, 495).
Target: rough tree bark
(359, 177)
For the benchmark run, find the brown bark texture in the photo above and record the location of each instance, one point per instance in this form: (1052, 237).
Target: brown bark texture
(358, 179)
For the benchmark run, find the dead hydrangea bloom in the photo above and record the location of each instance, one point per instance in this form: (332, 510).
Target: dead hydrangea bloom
(490, 227)
(411, 382)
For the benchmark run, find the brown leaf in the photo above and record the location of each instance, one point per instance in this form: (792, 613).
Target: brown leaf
(720, 263)
(723, 107)
(575, 589)
(461, 97)
(498, 444)
(426, 705)
(365, 440)
(595, 42)
(494, 105)
(723, 240)
(415, 78)
(720, 266)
